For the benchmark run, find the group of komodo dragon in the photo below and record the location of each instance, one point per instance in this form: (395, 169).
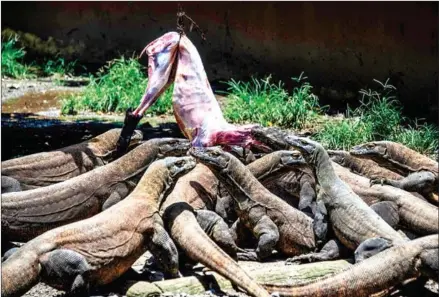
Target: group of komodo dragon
(87, 212)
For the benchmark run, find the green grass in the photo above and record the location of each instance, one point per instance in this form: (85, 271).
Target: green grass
(117, 86)
(422, 138)
(381, 110)
(12, 60)
(59, 67)
(345, 133)
(267, 103)
(378, 117)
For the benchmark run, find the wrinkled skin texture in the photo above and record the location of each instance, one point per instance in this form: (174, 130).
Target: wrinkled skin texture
(421, 172)
(362, 166)
(375, 274)
(173, 58)
(48, 168)
(30, 213)
(272, 221)
(415, 214)
(98, 250)
(202, 236)
(344, 206)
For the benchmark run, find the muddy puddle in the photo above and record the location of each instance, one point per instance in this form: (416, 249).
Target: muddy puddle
(34, 102)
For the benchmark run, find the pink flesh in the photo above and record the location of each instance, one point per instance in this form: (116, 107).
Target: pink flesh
(196, 109)
(161, 57)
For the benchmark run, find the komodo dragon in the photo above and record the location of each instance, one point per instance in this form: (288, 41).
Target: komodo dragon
(414, 214)
(352, 220)
(375, 274)
(354, 223)
(365, 167)
(201, 189)
(48, 168)
(272, 221)
(417, 215)
(278, 173)
(362, 166)
(186, 213)
(296, 186)
(98, 250)
(29, 213)
(421, 173)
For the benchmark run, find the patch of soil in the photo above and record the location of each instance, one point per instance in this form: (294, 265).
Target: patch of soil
(14, 88)
(33, 102)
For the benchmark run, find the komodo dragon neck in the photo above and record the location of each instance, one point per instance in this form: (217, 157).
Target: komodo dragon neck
(156, 184)
(346, 207)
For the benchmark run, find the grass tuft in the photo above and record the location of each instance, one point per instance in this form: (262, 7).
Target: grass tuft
(379, 117)
(117, 86)
(345, 133)
(59, 68)
(422, 138)
(381, 110)
(12, 60)
(267, 103)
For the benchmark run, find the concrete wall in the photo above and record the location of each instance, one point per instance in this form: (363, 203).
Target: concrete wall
(338, 44)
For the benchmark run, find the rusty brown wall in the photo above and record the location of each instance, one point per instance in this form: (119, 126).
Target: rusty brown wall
(343, 44)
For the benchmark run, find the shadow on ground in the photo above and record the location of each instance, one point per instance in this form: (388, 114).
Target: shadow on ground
(27, 133)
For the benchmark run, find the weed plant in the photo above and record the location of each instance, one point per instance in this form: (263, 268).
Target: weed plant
(379, 117)
(117, 86)
(266, 103)
(12, 60)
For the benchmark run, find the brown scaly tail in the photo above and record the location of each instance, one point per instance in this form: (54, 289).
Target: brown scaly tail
(373, 275)
(191, 238)
(20, 273)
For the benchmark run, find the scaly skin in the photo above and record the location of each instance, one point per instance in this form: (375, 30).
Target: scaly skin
(48, 168)
(421, 172)
(395, 156)
(365, 167)
(272, 220)
(30, 213)
(352, 220)
(173, 58)
(198, 190)
(181, 221)
(297, 187)
(278, 173)
(415, 214)
(373, 275)
(105, 245)
(361, 166)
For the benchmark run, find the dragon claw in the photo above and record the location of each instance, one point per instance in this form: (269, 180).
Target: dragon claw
(378, 181)
(293, 261)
